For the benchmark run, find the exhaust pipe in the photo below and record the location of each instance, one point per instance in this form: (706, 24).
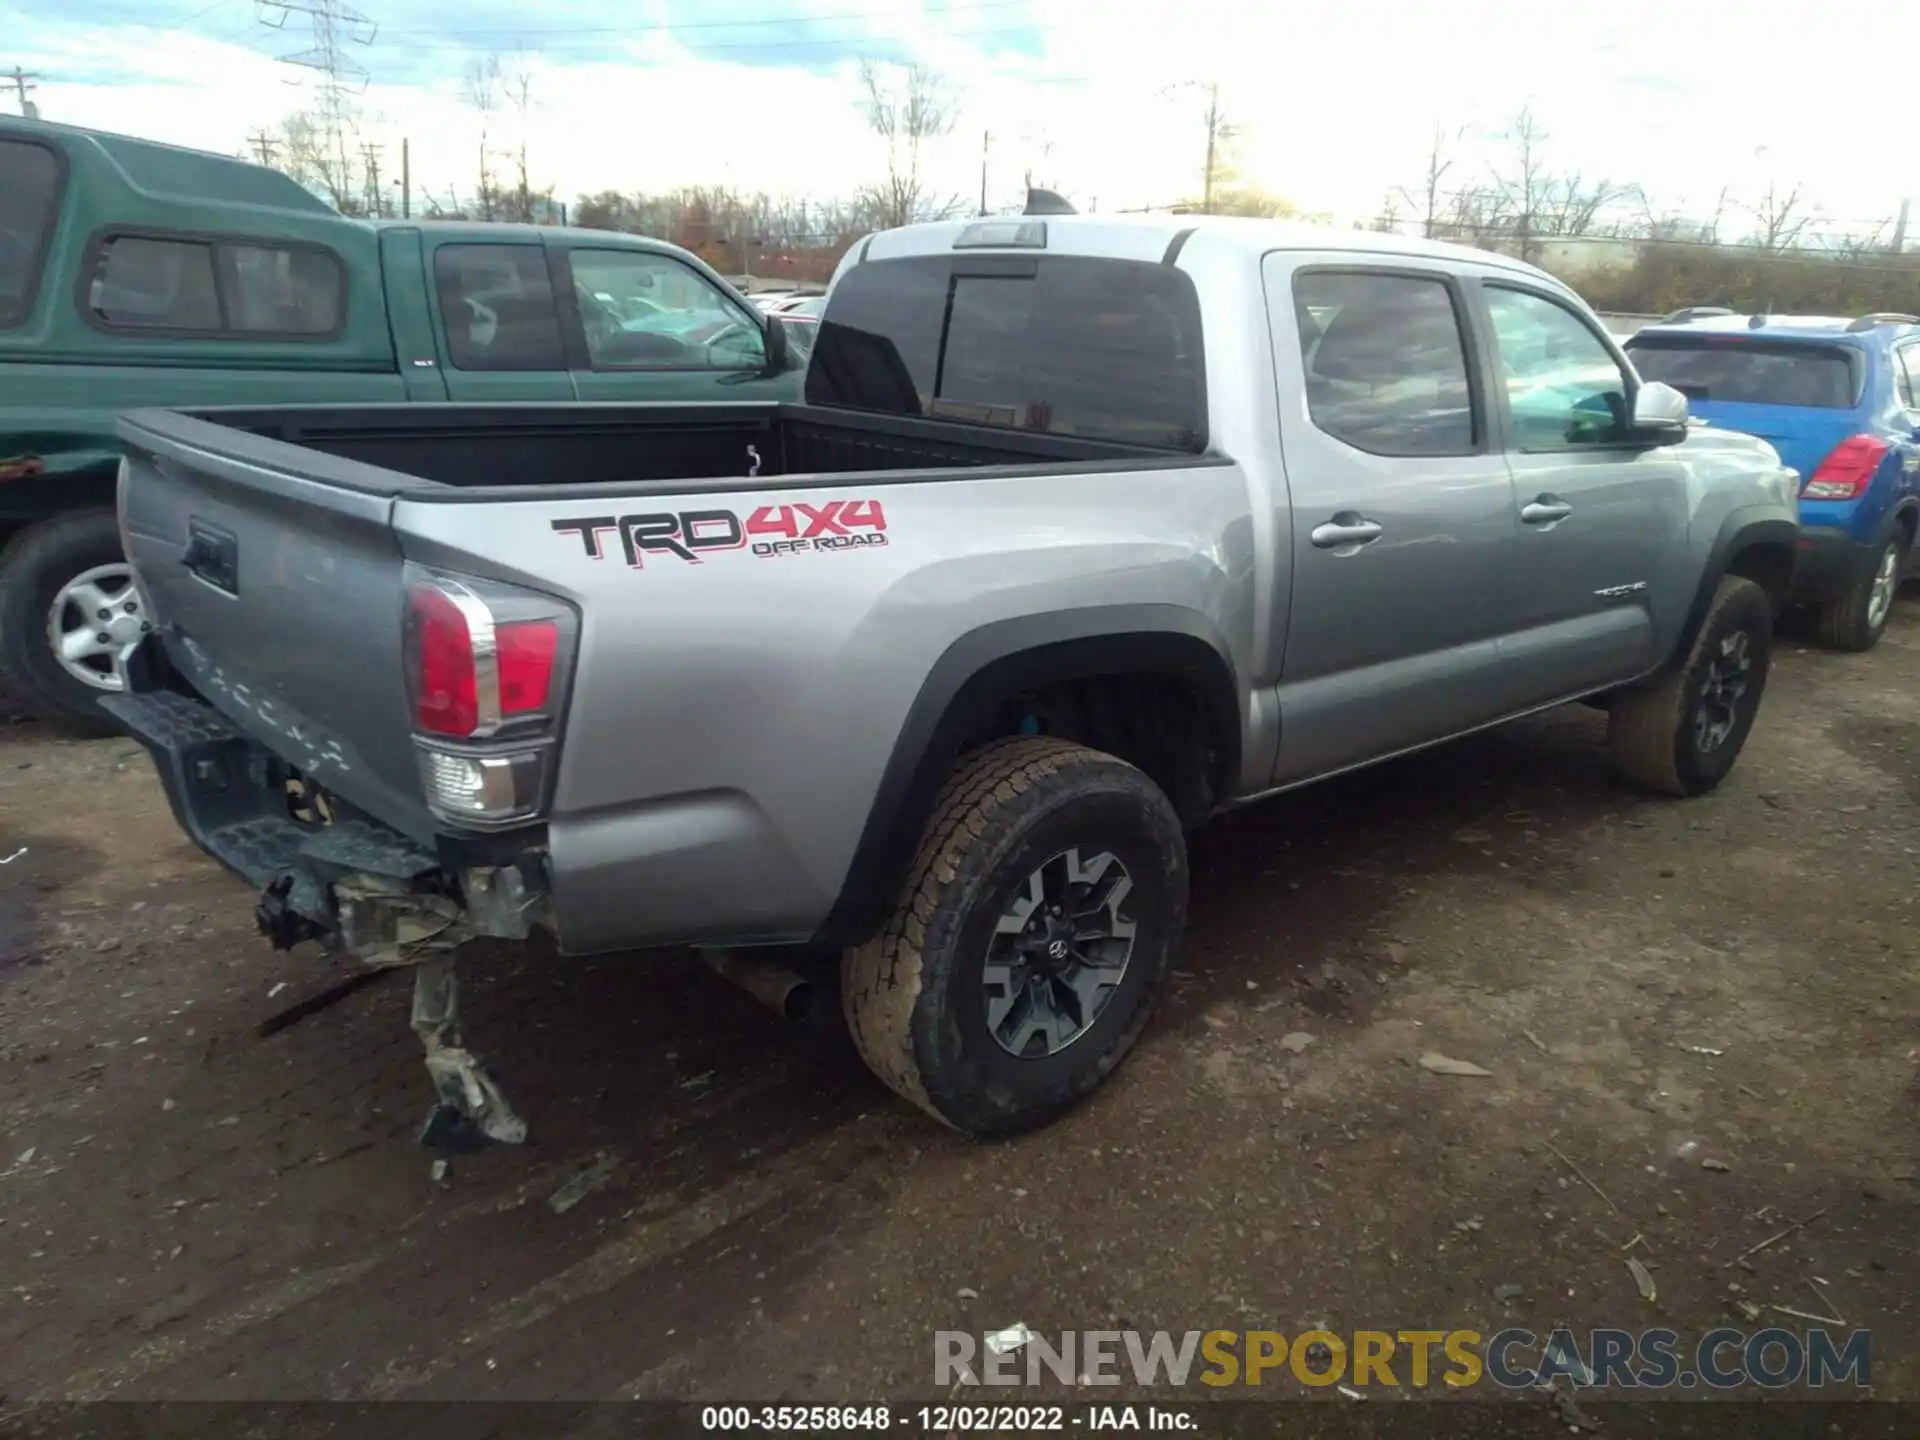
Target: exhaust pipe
(782, 991)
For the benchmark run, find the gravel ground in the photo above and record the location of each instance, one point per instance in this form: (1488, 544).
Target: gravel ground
(1700, 1020)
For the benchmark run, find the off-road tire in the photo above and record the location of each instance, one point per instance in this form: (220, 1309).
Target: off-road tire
(34, 567)
(1843, 621)
(912, 995)
(1650, 729)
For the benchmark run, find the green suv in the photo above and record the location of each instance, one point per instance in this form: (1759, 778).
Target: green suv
(135, 274)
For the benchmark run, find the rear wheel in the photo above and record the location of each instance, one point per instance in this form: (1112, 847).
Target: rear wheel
(1856, 618)
(1031, 941)
(69, 614)
(1681, 734)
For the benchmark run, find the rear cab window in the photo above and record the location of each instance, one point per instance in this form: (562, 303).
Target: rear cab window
(213, 287)
(1752, 372)
(497, 304)
(1060, 345)
(30, 183)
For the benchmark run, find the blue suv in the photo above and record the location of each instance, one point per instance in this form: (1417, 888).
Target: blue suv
(1840, 401)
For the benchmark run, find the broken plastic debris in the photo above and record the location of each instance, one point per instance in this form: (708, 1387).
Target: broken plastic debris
(1719, 1165)
(1003, 1342)
(1296, 1042)
(967, 1293)
(1350, 1392)
(593, 1178)
(1445, 1065)
(470, 1099)
(26, 1155)
(276, 988)
(1703, 1050)
(15, 856)
(1644, 1279)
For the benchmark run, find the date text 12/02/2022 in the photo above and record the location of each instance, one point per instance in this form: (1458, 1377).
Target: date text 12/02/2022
(769, 531)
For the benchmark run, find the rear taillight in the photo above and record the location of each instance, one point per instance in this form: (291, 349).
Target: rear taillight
(1848, 469)
(526, 650)
(484, 665)
(447, 693)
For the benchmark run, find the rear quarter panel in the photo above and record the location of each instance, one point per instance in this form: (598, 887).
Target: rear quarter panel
(731, 718)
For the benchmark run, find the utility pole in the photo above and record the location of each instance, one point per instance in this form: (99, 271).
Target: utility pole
(21, 87)
(1900, 228)
(986, 145)
(1213, 139)
(264, 147)
(376, 202)
(406, 181)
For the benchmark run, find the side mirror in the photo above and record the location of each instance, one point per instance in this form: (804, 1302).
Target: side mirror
(1659, 413)
(780, 352)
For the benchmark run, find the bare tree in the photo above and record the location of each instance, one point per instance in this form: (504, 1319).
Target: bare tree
(484, 82)
(1427, 200)
(519, 88)
(908, 108)
(1780, 219)
(1523, 185)
(310, 151)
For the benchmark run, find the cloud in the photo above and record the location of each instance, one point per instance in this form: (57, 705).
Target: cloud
(1105, 99)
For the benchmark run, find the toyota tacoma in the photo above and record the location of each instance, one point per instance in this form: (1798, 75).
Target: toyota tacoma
(1085, 530)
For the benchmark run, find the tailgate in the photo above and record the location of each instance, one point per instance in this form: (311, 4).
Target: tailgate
(274, 578)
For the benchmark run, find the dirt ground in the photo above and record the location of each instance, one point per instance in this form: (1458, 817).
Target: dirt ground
(190, 1210)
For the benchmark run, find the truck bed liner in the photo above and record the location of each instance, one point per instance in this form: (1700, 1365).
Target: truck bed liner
(448, 452)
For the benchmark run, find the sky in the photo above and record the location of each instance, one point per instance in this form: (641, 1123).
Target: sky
(1331, 106)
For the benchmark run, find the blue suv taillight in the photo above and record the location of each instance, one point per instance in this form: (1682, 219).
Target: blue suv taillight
(1848, 469)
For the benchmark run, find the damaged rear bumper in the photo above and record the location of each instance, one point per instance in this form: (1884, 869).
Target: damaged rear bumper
(355, 884)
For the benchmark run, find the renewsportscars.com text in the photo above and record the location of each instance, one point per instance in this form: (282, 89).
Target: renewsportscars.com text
(1725, 1359)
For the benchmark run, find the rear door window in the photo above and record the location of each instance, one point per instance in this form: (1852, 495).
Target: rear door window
(1385, 362)
(1102, 349)
(29, 204)
(496, 302)
(1751, 372)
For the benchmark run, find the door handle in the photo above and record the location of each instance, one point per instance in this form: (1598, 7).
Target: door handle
(1346, 528)
(1545, 510)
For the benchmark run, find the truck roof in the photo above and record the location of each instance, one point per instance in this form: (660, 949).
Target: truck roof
(1148, 237)
(497, 232)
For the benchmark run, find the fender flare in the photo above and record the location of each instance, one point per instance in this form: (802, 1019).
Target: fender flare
(966, 687)
(1910, 505)
(1742, 529)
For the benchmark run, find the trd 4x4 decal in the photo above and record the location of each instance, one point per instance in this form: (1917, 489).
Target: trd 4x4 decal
(770, 531)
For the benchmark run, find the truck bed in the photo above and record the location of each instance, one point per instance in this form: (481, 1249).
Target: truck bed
(276, 549)
(413, 450)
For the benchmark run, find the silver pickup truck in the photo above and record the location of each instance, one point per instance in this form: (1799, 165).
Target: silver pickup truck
(1087, 529)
